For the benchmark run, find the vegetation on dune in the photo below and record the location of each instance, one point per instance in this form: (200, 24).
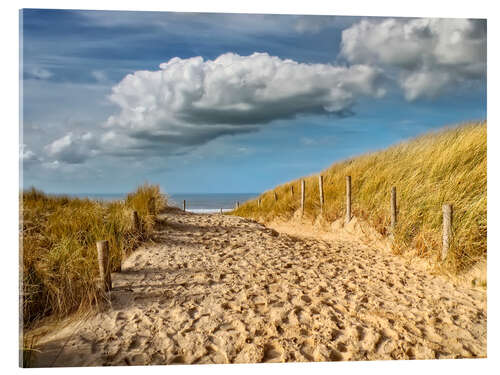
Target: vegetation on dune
(448, 166)
(59, 256)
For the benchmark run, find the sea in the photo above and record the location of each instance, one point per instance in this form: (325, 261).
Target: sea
(196, 203)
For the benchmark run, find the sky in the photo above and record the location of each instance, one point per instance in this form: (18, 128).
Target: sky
(219, 103)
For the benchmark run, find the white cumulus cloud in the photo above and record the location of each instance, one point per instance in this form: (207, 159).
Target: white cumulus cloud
(430, 55)
(191, 101)
(72, 148)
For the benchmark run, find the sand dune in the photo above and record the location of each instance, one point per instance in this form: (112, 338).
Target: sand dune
(222, 289)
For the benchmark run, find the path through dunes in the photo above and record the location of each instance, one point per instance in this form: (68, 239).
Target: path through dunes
(222, 289)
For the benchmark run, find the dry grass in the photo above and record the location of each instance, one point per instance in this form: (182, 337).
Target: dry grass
(448, 166)
(59, 234)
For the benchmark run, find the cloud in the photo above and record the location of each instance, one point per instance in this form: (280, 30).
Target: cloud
(27, 157)
(315, 24)
(216, 24)
(189, 102)
(306, 141)
(99, 76)
(429, 56)
(324, 140)
(72, 148)
(26, 154)
(38, 73)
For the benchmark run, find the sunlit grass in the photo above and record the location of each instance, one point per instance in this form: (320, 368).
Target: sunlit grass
(58, 241)
(447, 166)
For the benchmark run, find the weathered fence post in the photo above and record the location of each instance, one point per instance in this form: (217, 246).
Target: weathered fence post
(237, 204)
(394, 208)
(104, 266)
(135, 222)
(348, 199)
(258, 203)
(221, 211)
(184, 205)
(447, 229)
(321, 196)
(275, 197)
(303, 196)
(291, 191)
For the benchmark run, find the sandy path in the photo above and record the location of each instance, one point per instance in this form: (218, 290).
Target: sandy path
(221, 289)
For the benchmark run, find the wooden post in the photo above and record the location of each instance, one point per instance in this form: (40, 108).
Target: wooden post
(321, 196)
(303, 196)
(237, 204)
(136, 223)
(447, 229)
(104, 266)
(347, 199)
(275, 197)
(258, 203)
(184, 205)
(221, 211)
(291, 190)
(394, 208)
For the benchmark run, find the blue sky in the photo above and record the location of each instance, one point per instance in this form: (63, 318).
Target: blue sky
(271, 98)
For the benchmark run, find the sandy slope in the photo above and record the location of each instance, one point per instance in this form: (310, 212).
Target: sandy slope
(220, 289)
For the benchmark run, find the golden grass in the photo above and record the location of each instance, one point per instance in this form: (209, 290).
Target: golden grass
(448, 166)
(59, 256)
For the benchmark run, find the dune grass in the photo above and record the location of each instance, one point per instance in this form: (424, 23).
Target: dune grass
(58, 242)
(447, 166)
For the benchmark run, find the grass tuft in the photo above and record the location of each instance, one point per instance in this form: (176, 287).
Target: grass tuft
(59, 256)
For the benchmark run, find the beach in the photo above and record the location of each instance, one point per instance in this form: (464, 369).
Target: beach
(214, 288)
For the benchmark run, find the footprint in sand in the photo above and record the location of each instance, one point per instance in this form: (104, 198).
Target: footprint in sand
(273, 352)
(308, 349)
(255, 302)
(135, 342)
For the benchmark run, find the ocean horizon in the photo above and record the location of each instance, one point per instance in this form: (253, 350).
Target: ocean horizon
(195, 202)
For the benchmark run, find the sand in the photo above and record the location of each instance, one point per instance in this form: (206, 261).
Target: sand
(221, 289)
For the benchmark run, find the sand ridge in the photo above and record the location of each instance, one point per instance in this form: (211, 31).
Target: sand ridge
(223, 289)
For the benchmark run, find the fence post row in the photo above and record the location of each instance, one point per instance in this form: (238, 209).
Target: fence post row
(104, 266)
(394, 212)
(447, 229)
(447, 210)
(321, 197)
(303, 196)
(348, 199)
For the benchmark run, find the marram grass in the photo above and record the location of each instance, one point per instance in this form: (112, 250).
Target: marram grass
(58, 239)
(448, 166)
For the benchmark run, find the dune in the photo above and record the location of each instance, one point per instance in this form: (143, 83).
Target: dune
(215, 288)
